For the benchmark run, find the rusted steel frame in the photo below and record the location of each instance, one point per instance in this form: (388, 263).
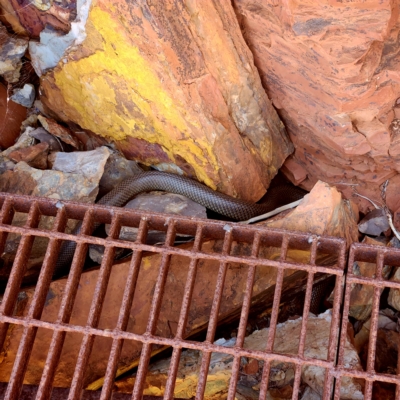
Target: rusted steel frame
(183, 316)
(85, 239)
(149, 339)
(212, 229)
(35, 310)
(18, 270)
(123, 318)
(213, 320)
(30, 391)
(382, 254)
(373, 376)
(232, 232)
(274, 319)
(329, 380)
(94, 313)
(154, 313)
(65, 311)
(244, 317)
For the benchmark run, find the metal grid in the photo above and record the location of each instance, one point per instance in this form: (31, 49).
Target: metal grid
(256, 236)
(380, 256)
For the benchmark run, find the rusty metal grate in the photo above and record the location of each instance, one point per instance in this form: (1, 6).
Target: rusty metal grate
(255, 237)
(380, 256)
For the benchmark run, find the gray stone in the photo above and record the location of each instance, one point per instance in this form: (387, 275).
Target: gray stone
(374, 223)
(24, 96)
(161, 202)
(53, 46)
(116, 170)
(12, 49)
(44, 137)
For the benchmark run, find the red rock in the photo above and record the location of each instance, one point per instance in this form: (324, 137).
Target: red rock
(322, 212)
(294, 171)
(11, 117)
(60, 131)
(29, 18)
(331, 71)
(35, 156)
(251, 367)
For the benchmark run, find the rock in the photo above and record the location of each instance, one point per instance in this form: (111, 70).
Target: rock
(362, 295)
(24, 141)
(386, 320)
(24, 96)
(309, 394)
(374, 223)
(387, 347)
(75, 177)
(6, 165)
(116, 170)
(167, 92)
(35, 156)
(11, 117)
(12, 49)
(86, 164)
(394, 294)
(161, 202)
(60, 131)
(322, 212)
(47, 53)
(44, 137)
(393, 199)
(31, 18)
(286, 342)
(330, 70)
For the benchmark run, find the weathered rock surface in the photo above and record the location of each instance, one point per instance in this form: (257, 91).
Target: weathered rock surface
(117, 169)
(11, 117)
(322, 212)
(35, 156)
(43, 136)
(173, 84)
(24, 96)
(161, 202)
(374, 223)
(75, 176)
(331, 69)
(60, 131)
(12, 49)
(30, 18)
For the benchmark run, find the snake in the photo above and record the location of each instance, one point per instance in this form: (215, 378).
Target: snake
(146, 181)
(226, 205)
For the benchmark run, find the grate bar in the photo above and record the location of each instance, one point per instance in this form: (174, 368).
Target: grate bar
(213, 320)
(123, 319)
(57, 341)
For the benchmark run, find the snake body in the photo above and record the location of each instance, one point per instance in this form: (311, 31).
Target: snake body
(154, 180)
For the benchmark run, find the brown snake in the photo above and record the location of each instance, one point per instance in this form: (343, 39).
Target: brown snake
(153, 180)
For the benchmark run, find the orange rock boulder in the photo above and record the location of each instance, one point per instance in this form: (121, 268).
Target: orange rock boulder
(174, 84)
(331, 68)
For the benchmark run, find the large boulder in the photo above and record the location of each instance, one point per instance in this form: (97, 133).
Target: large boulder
(173, 83)
(331, 69)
